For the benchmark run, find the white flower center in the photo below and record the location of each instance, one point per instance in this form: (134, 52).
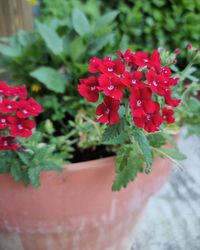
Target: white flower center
(5, 143)
(9, 107)
(2, 120)
(24, 111)
(133, 81)
(148, 117)
(110, 69)
(20, 127)
(107, 111)
(146, 60)
(93, 88)
(139, 103)
(111, 87)
(154, 83)
(164, 116)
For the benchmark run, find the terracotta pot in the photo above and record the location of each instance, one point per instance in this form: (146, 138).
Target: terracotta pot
(76, 210)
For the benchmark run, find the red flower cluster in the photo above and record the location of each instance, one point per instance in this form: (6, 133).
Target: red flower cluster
(145, 79)
(15, 109)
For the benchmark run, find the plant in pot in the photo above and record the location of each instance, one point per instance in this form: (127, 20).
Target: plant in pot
(77, 209)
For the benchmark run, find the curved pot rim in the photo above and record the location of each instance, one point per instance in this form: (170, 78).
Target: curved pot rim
(87, 164)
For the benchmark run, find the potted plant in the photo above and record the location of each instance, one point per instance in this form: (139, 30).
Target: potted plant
(77, 209)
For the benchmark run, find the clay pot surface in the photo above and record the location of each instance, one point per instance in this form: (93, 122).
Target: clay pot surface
(76, 210)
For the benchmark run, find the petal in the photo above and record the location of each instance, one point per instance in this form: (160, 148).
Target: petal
(119, 67)
(149, 106)
(146, 93)
(114, 118)
(139, 121)
(101, 109)
(103, 119)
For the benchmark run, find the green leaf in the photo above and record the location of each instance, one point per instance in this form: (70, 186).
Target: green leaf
(50, 78)
(128, 163)
(77, 48)
(97, 44)
(113, 132)
(10, 51)
(34, 176)
(143, 143)
(107, 18)
(16, 172)
(172, 153)
(51, 38)
(80, 22)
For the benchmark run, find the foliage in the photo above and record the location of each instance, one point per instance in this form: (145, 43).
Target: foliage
(53, 57)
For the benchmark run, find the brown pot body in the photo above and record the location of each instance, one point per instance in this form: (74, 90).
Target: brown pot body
(76, 210)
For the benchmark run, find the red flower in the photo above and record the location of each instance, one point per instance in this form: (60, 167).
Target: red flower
(142, 59)
(27, 108)
(171, 102)
(167, 115)
(8, 143)
(157, 83)
(3, 121)
(128, 57)
(20, 91)
(132, 79)
(163, 71)
(140, 101)
(5, 89)
(8, 106)
(111, 86)
(88, 88)
(94, 64)
(19, 127)
(150, 122)
(108, 111)
(109, 66)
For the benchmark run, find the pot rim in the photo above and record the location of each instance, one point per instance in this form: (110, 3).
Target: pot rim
(87, 164)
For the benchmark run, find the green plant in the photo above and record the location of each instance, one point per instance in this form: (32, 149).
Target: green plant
(52, 58)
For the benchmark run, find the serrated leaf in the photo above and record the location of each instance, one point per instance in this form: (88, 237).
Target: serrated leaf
(107, 18)
(113, 132)
(173, 153)
(53, 42)
(34, 176)
(129, 163)
(16, 172)
(50, 78)
(143, 143)
(80, 22)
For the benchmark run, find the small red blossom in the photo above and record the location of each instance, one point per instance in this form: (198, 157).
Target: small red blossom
(163, 71)
(151, 121)
(132, 79)
(167, 115)
(8, 106)
(3, 121)
(140, 101)
(169, 101)
(109, 66)
(142, 59)
(128, 57)
(94, 64)
(5, 90)
(8, 143)
(20, 127)
(108, 111)
(111, 86)
(88, 88)
(157, 83)
(20, 91)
